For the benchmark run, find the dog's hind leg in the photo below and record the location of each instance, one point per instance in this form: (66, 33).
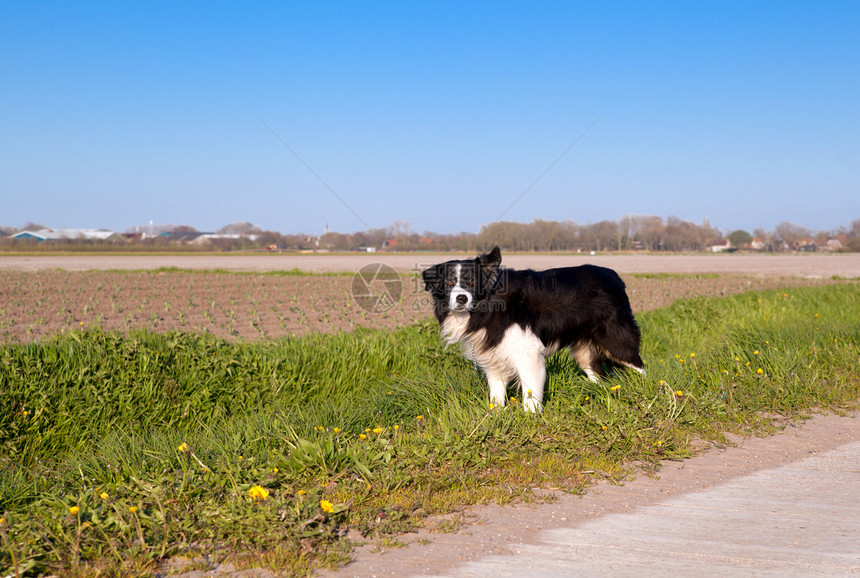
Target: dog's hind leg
(583, 353)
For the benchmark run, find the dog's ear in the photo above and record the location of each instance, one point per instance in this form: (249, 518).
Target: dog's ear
(432, 278)
(491, 260)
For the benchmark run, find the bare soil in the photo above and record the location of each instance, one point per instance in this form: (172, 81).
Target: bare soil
(37, 304)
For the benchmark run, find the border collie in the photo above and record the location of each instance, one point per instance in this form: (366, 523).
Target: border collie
(508, 322)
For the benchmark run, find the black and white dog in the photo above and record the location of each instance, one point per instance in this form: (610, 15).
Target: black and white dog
(508, 322)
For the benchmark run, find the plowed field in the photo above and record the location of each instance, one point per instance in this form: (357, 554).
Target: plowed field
(37, 304)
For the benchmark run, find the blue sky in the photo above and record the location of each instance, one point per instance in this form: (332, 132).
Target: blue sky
(439, 113)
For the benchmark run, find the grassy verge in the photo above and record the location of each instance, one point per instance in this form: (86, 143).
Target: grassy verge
(117, 452)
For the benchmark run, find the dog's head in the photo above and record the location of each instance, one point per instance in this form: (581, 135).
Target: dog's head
(457, 286)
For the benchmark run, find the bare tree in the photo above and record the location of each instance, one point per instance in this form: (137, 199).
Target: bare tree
(791, 234)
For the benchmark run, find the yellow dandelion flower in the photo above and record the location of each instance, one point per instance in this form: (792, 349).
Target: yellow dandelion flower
(104, 496)
(336, 430)
(74, 510)
(587, 397)
(326, 506)
(258, 493)
(367, 430)
(492, 406)
(275, 471)
(603, 427)
(759, 371)
(132, 509)
(420, 417)
(692, 355)
(378, 430)
(183, 447)
(679, 393)
(301, 493)
(755, 352)
(615, 388)
(396, 427)
(362, 436)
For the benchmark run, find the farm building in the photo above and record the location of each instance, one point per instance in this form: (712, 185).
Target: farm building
(66, 234)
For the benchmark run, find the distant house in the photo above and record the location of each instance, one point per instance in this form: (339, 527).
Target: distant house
(757, 244)
(836, 243)
(181, 236)
(719, 246)
(67, 234)
(806, 245)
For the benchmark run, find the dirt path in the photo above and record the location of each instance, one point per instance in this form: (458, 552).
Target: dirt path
(817, 265)
(508, 533)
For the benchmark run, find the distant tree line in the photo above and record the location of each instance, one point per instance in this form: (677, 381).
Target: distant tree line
(630, 233)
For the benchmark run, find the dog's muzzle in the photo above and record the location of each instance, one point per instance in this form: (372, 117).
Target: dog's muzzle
(460, 300)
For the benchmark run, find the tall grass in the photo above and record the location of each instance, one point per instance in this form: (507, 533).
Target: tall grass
(118, 451)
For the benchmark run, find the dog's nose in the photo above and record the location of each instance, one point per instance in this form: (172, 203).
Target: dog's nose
(461, 299)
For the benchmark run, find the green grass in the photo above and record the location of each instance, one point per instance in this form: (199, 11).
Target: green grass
(158, 439)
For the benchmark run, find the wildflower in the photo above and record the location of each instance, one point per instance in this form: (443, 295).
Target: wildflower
(74, 510)
(755, 352)
(759, 371)
(692, 355)
(258, 493)
(603, 427)
(419, 418)
(336, 430)
(362, 436)
(326, 506)
(587, 397)
(378, 430)
(492, 406)
(367, 430)
(615, 388)
(679, 393)
(132, 509)
(183, 447)
(396, 427)
(26, 413)
(275, 471)
(301, 493)
(104, 496)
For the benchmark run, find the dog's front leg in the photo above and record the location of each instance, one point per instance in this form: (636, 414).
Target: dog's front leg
(532, 379)
(498, 388)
